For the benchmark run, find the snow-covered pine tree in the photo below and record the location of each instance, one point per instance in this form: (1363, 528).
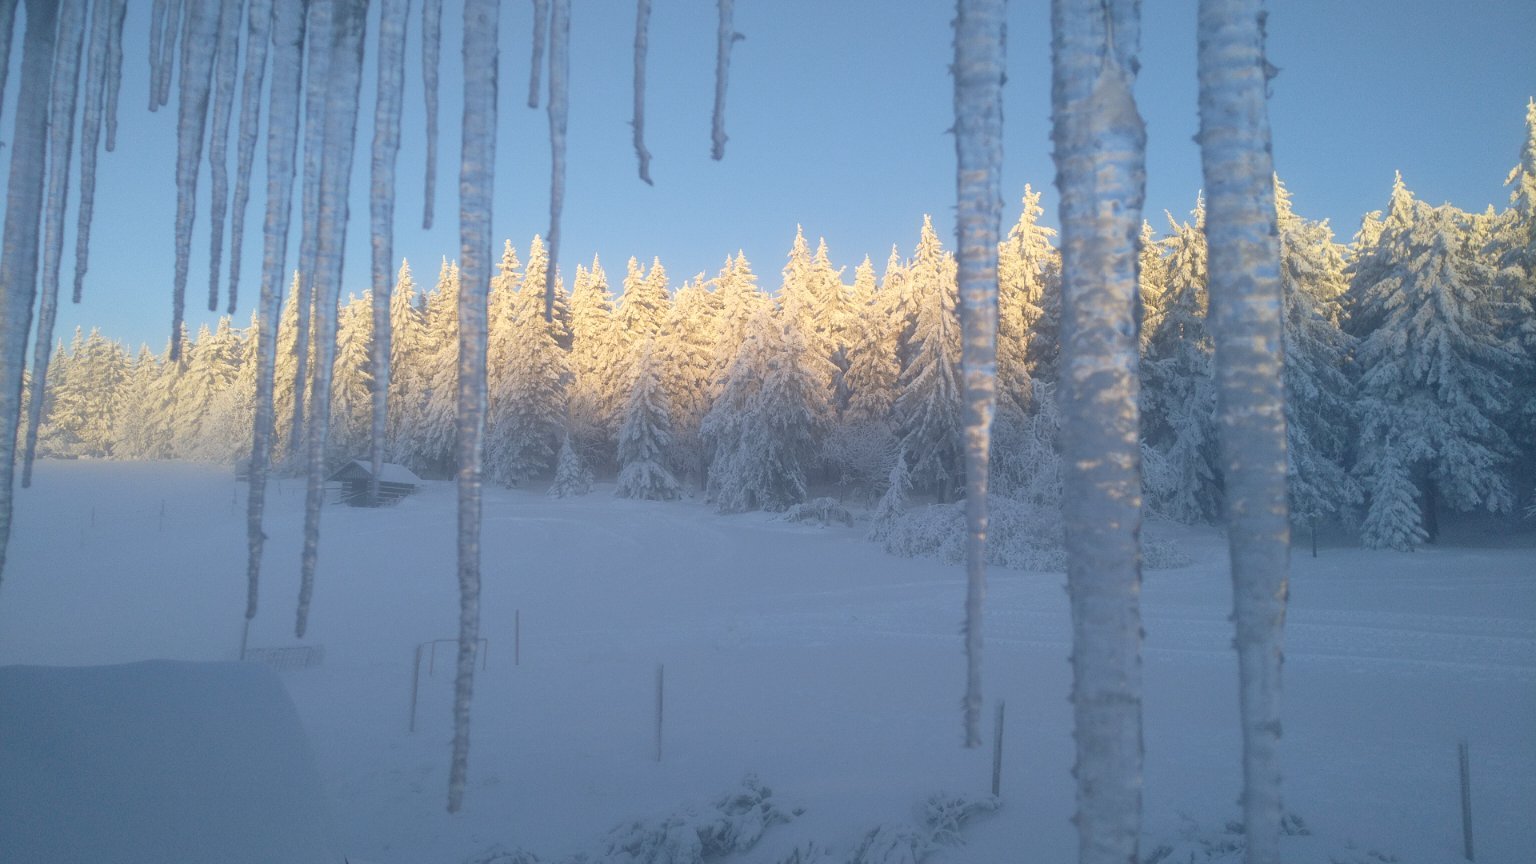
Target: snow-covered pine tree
(1435, 370)
(526, 418)
(594, 401)
(1514, 249)
(352, 382)
(59, 420)
(408, 355)
(684, 352)
(893, 502)
(870, 382)
(285, 387)
(740, 299)
(572, 475)
(227, 429)
(1027, 267)
(207, 369)
(929, 405)
(646, 434)
(436, 434)
(140, 413)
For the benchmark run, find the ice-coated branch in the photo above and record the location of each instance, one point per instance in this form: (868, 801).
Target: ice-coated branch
(1099, 149)
(282, 148)
(642, 44)
(61, 143)
(725, 37)
(97, 61)
(7, 33)
(344, 77)
(559, 112)
(477, 177)
(114, 69)
(191, 126)
(536, 65)
(381, 213)
(257, 34)
(316, 82)
(431, 58)
(18, 257)
(1245, 314)
(979, 68)
(224, 71)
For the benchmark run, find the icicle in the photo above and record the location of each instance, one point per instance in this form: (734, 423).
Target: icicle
(344, 75)
(725, 37)
(316, 80)
(102, 14)
(559, 111)
(540, 26)
(250, 118)
(978, 70)
(7, 32)
(227, 65)
(477, 174)
(191, 125)
(282, 144)
(642, 43)
(61, 142)
(157, 15)
(431, 54)
(173, 25)
(114, 69)
(18, 264)
(386, 148)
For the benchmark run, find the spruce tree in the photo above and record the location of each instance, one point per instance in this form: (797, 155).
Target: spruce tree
(572, 475)
(352, 382)
(527, 406)
(594, 397)
(873, 371)
(646, 434)
(408, 358)
(929, 405)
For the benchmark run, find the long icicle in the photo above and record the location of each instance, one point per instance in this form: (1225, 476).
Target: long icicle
(18, 261)
(191, 127)
(282, 148)
(61, 141)
(90, 133)
(725, 37)
(540, 32)
(258, 32)
(979, 69)
(114, 69)
(345, 77)
(173, 26)
(642, 45)
(431, 59)
(224, 73)
(477, 174)
(157, 14)
(7, 33)
(381, 211)
(316, 80)
(559, 113)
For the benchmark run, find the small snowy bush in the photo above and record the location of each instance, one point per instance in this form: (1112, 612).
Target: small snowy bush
(819, 511)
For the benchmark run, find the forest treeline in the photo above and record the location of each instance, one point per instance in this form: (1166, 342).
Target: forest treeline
(1410, 373)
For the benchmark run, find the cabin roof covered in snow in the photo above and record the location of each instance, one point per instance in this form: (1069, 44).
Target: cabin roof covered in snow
(357, 469)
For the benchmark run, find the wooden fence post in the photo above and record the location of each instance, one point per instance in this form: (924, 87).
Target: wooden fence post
(1466, 799)
(997, 751)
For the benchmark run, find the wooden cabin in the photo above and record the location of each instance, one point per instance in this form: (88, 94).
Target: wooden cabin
(395, 482)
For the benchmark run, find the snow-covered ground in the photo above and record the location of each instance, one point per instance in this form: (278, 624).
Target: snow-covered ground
(805, 656)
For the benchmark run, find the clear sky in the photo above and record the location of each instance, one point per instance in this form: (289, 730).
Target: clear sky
(837, 116)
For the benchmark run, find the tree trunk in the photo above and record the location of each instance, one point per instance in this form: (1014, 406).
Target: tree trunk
(1246, 321)
(1100, 145)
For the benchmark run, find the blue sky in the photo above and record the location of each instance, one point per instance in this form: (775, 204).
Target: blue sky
(837, 114)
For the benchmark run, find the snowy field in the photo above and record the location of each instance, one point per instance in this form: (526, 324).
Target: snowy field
(805, 656)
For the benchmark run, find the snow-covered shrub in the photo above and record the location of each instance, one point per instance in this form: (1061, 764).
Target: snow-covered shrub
(893, 503)
(819, 511)
(572, 476)
(1021, 535)
(938, 826)
(860, 456)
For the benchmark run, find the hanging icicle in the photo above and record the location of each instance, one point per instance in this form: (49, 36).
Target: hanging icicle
(97, 60)
(18, 264)
(559, 113)
(316, 81)
(381, 211)
(191, 126)
(7, 33)
(114, 83)
(540, 32)
(344, 73)
(61, 142)
(477, 175)
(979, 69)
(161, 86)
(157, 14)
(282, 146)
(725, 37)
(642, 44)
(250, 118)
(431, 57)
(225, 67)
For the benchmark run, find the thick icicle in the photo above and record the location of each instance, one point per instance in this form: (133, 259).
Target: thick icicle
(978, 70)
(431, 57)
(642, 44)
(114, 69)
(316, 82)
(559, 112)
(477, 175)
(1099, 145)
(7, 32)
(725, 37)
(1245, 314)
(90, 132)
(344, 74)
(18, 260)
(250, 118)
(381, 211)
(191, 126)
(540, 29)
(61, 143)
(173, 26)
(282, 146)
(157, 14)
(227, 64)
